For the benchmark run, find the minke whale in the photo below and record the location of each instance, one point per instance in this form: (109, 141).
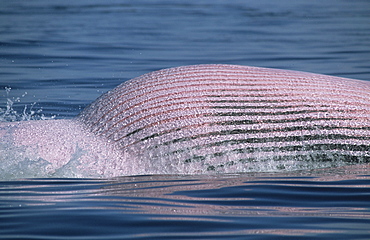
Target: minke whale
(200, 119)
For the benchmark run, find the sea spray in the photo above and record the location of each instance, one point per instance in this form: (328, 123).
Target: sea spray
(9, 112)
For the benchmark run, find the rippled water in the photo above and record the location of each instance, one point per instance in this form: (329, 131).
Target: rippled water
(58, 56)
(261, 206)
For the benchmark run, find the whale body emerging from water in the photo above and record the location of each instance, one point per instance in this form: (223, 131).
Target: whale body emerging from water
(200, 119)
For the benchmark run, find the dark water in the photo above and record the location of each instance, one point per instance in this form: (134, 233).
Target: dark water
(265, 206)
(58, 56)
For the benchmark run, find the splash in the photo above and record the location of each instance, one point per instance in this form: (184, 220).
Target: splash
(10, 114)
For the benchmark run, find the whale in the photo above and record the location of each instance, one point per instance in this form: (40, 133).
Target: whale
(200, 119)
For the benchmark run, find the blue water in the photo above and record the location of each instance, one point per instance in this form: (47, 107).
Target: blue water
(58, 56)
(267, 206)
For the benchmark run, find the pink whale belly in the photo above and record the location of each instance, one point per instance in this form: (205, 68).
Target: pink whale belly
(200, 119)
(227, 118)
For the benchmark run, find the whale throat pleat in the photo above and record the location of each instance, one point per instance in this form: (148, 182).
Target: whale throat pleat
(228, 118)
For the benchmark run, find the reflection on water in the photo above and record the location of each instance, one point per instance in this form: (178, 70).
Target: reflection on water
(323, 203)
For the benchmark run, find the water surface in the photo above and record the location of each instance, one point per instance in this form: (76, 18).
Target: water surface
(58, 56)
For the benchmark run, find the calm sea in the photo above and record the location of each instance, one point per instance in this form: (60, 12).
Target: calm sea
(58, 56)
